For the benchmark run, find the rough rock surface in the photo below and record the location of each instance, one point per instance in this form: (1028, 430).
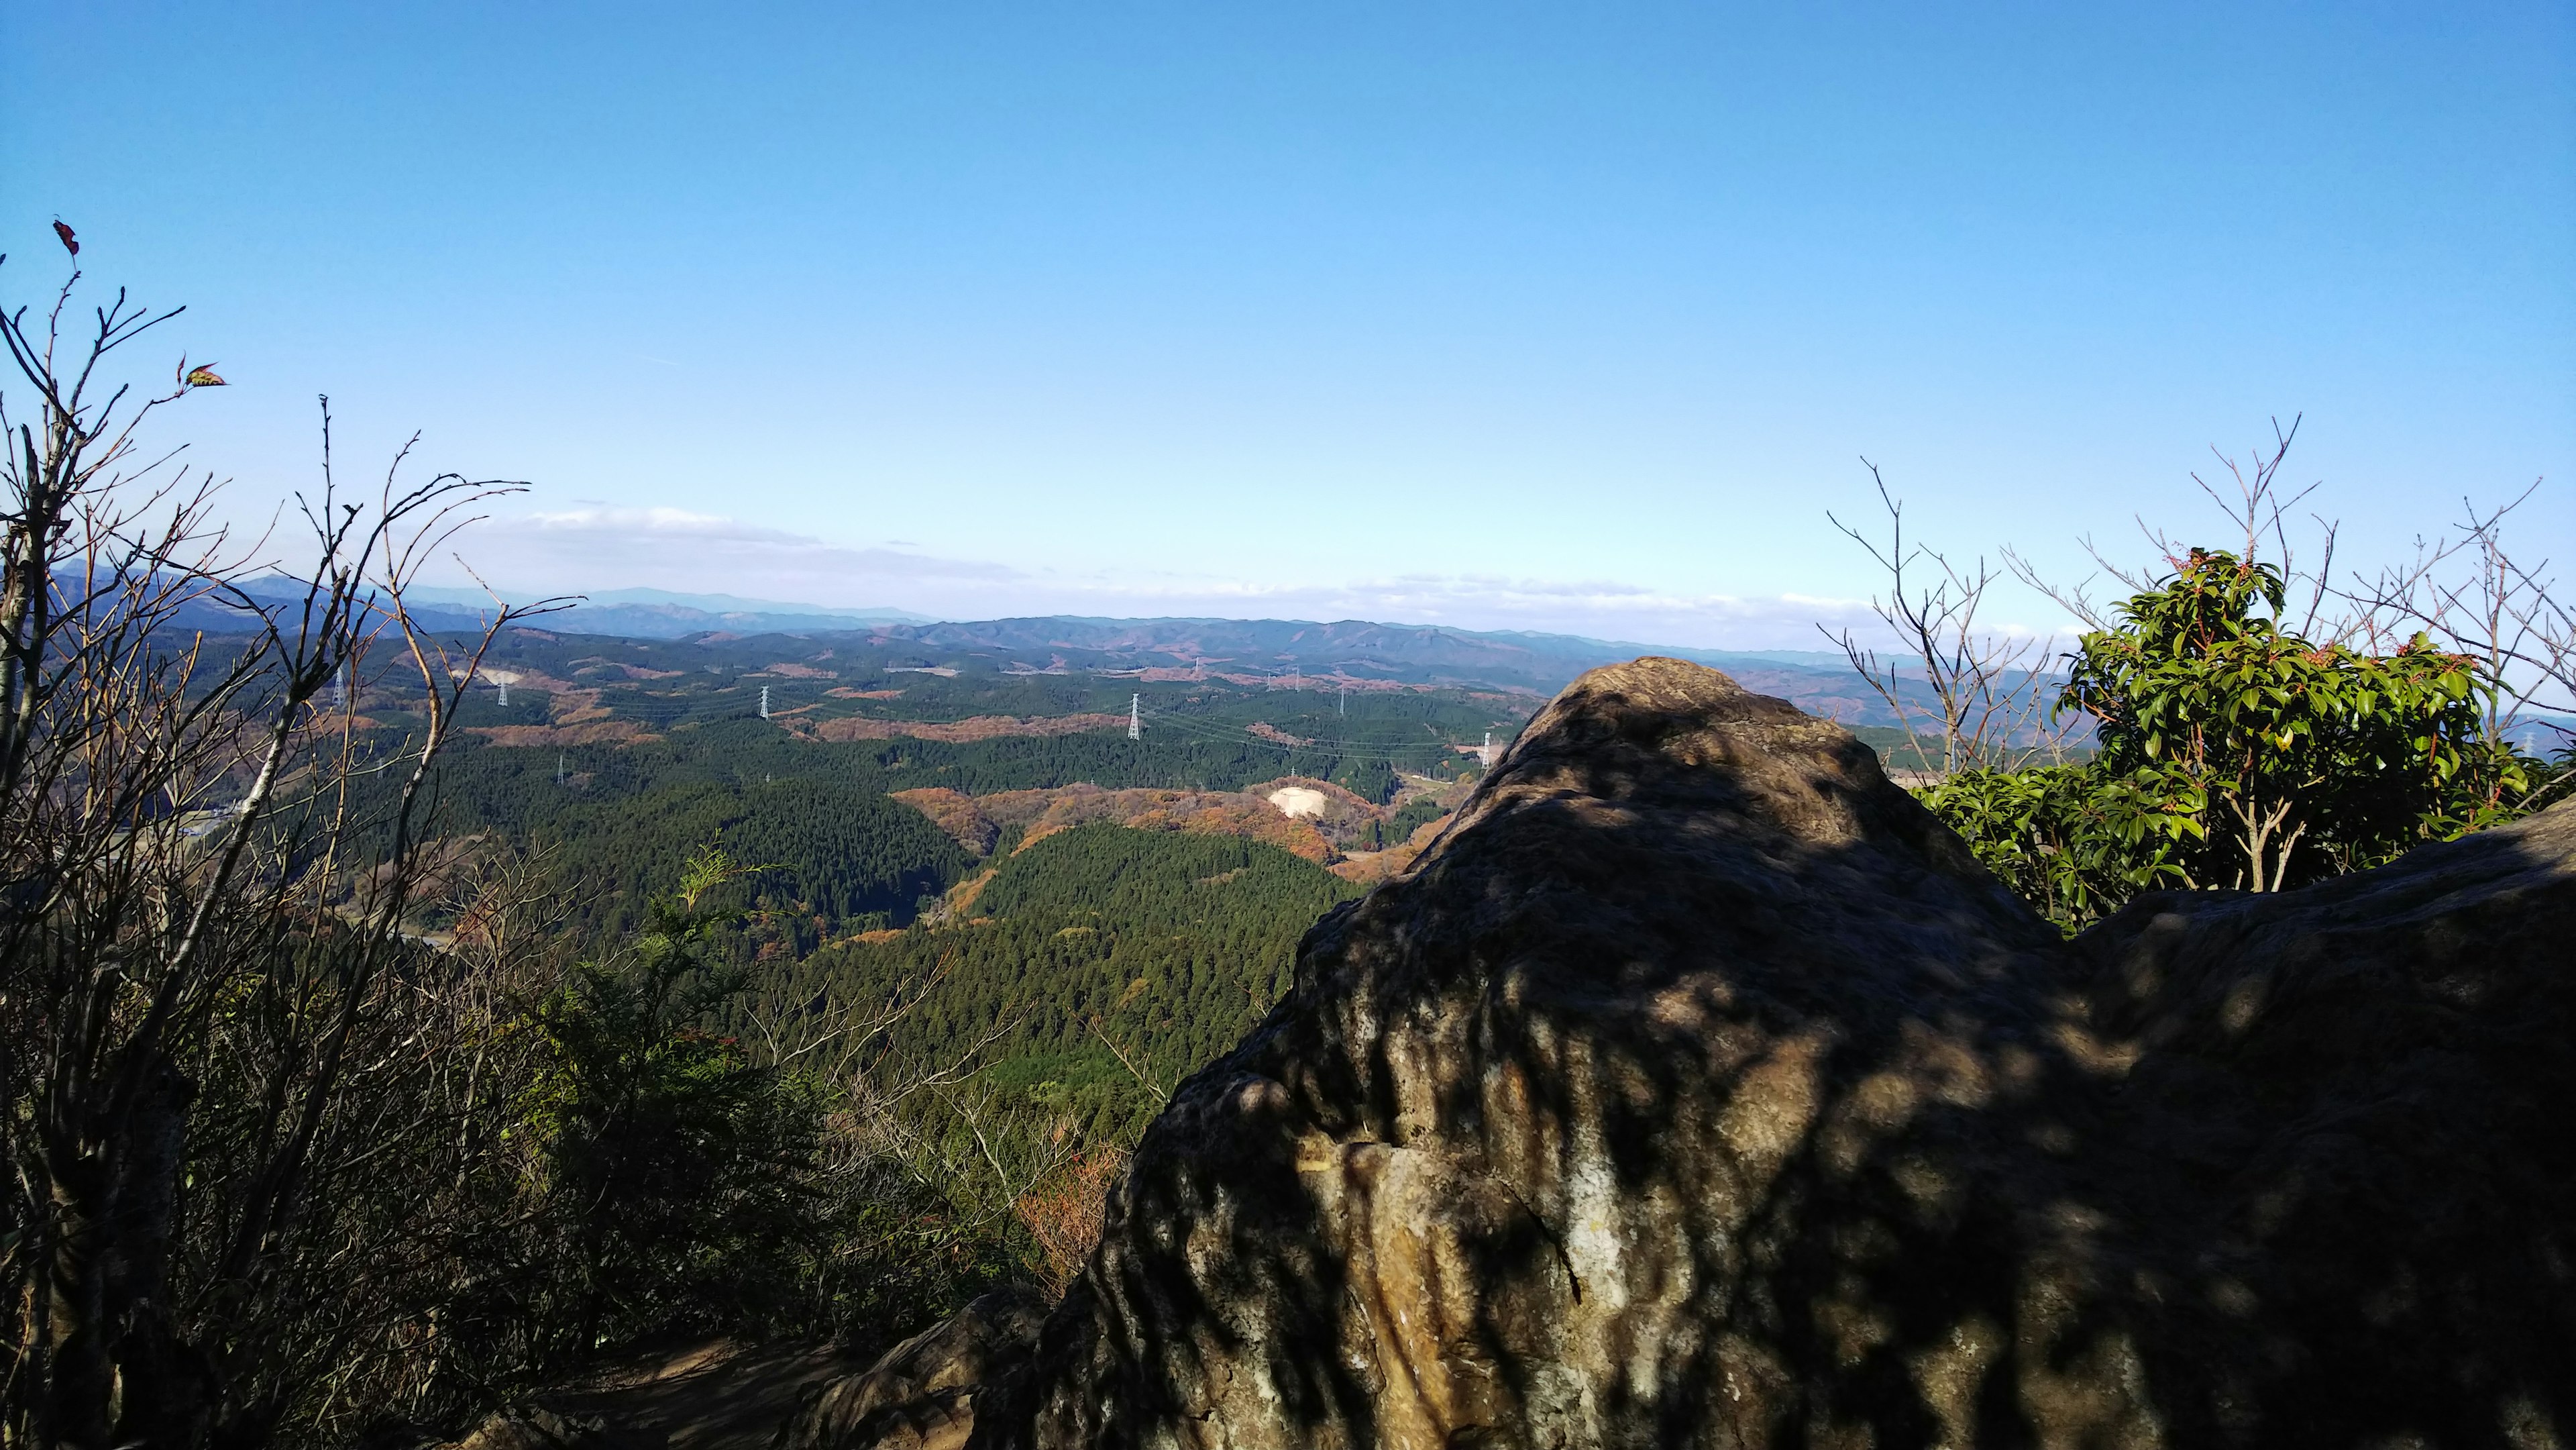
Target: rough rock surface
(922, 1394)
(1698, 1089)
(713, 1394)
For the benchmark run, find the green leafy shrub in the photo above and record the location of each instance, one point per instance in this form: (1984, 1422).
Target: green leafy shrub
(2235, 754)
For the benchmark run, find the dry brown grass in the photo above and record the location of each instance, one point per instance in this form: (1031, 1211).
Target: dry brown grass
(1065, 1216)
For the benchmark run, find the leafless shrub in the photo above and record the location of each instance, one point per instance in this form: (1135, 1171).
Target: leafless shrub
(2466, 590)
(219, 1039)
(1982, 693)
(1066, 1215)
(2258, 513)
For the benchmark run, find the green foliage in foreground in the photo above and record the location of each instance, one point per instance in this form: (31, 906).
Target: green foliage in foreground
(686, 1183)
(2236, 754)
(683, 1167)
(1088, 944)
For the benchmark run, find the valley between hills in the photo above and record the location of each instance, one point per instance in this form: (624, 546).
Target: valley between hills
(965, 804)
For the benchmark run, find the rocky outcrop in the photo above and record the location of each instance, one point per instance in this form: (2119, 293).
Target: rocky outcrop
(1697, 1088)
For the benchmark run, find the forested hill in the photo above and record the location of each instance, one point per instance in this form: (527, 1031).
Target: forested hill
(619, 756)
(1256, 650)
(1357, 649)
(921, 808)
(1090, 944)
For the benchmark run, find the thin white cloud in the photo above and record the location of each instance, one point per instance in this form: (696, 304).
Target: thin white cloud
(669, 548)
(601, 547)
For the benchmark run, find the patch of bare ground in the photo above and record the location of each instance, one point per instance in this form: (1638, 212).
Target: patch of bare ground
(1336, 797)
(981, 727)
(844, 692)
(569, 704)
(976, 822)
(954, 813)
(632, 672)
(587, 732)
(1368, 868)
(534, 680)
(798, 672)
(1205, 813)
(961, 897)
(580, 707)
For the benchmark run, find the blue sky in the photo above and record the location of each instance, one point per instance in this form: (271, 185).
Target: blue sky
(1567, 317)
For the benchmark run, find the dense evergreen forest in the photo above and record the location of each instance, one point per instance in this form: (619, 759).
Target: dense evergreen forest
(1068, 981)
(620, 818)
(658, 685)
(1090, 944)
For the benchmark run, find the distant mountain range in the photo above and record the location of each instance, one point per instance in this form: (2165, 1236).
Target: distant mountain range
(1521, 661)
(1412, 654)
(1357, 649)
(662, 614)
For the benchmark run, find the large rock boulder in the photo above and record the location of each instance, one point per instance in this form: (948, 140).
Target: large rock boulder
(1697, 1088)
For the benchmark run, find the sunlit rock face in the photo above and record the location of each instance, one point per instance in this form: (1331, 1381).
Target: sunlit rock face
(1698, 1089)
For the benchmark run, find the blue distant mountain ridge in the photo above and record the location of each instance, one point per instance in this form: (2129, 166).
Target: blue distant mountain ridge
(1522, 660)
(1525, 661)
(665, 614)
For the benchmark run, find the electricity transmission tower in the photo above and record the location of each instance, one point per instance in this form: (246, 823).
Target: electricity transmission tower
(1136, 717)
(764, 702)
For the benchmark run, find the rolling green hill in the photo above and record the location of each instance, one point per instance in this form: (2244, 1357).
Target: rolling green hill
(1168, 946)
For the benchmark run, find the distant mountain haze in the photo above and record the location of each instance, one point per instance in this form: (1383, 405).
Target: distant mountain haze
(668, 614)
(1518, 659)
(1292, 653)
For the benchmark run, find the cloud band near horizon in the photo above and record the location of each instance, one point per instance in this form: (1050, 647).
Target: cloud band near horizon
(602, 547)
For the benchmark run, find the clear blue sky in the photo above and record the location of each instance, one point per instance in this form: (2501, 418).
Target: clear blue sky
(1536, 316)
